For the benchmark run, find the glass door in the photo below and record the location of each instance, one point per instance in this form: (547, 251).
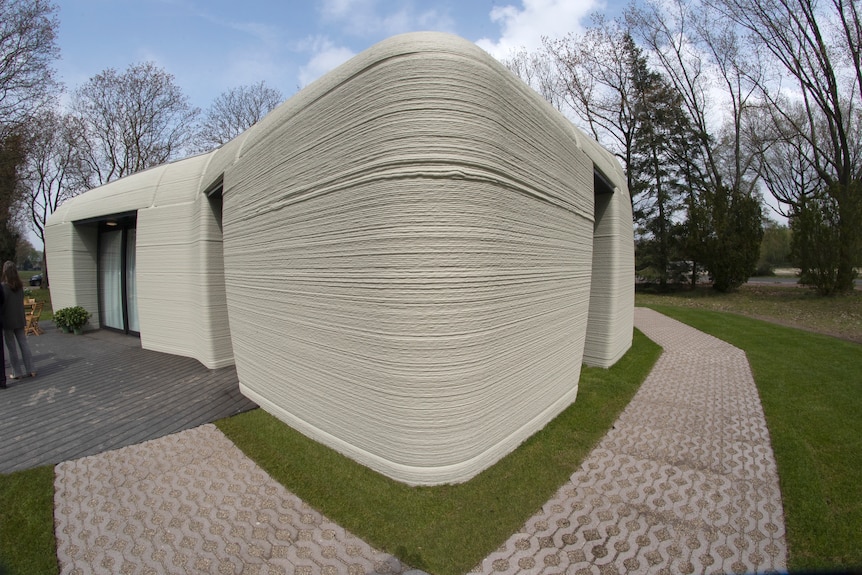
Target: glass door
(111, 276)
(118, 294)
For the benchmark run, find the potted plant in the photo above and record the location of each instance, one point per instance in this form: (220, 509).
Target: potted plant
(61, 320)
(72, 318)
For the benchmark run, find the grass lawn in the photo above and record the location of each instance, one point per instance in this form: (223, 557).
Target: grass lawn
(811, 390)
(446, 529)
(442, 529)
(840, 316)
(27, 544)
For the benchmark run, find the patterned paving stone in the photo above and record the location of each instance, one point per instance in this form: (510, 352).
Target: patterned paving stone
(192, 502)
(685, 482)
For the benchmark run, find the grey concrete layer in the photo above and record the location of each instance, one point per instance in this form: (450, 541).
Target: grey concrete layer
(438, 264)
(685, 482)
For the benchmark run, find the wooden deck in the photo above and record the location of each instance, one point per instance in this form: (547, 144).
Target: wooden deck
(101, 391)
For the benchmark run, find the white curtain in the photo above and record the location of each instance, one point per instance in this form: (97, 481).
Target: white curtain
(111, 270)
(131, 284)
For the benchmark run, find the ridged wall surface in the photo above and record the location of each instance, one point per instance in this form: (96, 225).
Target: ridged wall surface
(412, 259)
(179, 272)
(73, 266)
(612, 293)
(419, 227)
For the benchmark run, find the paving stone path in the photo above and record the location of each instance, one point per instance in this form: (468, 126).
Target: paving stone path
(685, 482)
(192, 502)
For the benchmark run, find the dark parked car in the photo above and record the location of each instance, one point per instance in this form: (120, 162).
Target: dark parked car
(36, 280)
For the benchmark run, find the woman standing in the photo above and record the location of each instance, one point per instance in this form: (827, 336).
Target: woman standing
(2, 354)
(14, 322)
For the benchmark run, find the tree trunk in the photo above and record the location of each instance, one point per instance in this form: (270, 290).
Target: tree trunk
(850, 232)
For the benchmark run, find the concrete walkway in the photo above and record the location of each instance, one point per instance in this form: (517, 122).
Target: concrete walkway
(685, 482)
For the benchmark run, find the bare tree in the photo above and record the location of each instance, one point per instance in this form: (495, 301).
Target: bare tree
(784, 157)
(817, 46)
(131, 121)
(27, 50)
(706, 62)
(596, 83)
(233, 112)
(12, 156)
(538, 71)
(55, 169)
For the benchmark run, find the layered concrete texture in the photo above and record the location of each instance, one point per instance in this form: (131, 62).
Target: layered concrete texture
(179, 265)
(417, 254)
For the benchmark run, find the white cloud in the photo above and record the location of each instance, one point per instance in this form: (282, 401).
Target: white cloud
(265, 34)
(367, 18)
(524, 26)
(338, 9)
(325, 56)
(249, 66)
(250, 51)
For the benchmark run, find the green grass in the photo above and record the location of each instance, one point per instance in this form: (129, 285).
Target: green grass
(27, 545)
(811, 390)
(810, 386)
(443, 529)
(40, 294)
(839, 316)
(446, 529)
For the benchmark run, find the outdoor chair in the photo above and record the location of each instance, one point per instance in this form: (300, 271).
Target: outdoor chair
(32, 315)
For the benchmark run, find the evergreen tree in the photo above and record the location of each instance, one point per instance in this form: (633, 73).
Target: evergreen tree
(730, 234)
(817, 245)
(661, 136)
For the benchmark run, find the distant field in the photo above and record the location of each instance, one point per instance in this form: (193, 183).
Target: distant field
(839, 316)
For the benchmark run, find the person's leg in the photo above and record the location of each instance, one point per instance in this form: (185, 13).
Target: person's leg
(25, 351)
(3, 365)
(12, 349)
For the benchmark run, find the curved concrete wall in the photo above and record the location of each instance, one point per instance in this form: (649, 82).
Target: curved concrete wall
(180, 278)
(422, 248)
(413, 259)
(612, 293)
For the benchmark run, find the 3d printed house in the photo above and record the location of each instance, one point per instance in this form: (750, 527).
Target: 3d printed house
(408, 261)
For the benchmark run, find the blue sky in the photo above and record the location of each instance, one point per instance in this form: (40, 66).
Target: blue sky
(213, 45)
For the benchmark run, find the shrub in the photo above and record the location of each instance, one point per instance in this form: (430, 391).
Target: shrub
(71, 317)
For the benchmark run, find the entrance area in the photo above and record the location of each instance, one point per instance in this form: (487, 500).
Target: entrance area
(118, 304)
(608, 333)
